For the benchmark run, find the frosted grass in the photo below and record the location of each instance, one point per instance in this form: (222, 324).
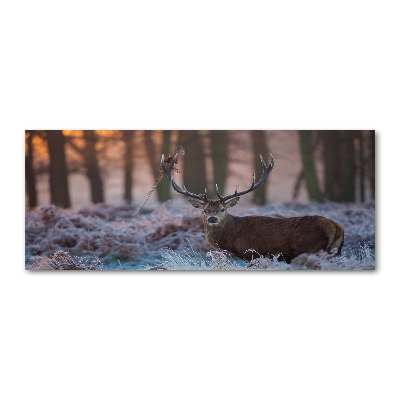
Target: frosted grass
(171, 236)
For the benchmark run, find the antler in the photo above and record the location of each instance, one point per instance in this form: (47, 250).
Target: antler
(254, 185)
(168, 172)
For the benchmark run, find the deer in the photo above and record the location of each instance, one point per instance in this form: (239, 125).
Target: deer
(254, 236)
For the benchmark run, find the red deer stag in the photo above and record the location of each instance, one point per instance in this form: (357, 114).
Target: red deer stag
(252, 236)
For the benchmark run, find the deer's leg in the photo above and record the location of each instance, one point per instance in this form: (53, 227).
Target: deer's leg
(339, 239)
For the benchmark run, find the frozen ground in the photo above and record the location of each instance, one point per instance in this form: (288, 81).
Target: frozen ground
(170, 236)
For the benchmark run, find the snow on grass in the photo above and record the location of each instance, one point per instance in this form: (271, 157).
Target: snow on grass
(171, 236)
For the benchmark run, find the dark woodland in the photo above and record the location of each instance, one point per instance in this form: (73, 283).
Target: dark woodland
(346, 157)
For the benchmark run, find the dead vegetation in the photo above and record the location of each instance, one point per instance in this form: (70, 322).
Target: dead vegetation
(62, 260)
(172, 233)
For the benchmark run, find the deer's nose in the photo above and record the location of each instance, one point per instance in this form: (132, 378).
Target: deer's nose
(212, 220)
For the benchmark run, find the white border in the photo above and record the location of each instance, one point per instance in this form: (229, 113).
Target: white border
(181, 65)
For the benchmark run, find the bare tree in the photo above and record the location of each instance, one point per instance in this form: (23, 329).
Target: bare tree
(309, 171)
(219, 155)
(329, 142)
(89, 155)
(92, 167)
(58, 169)
(340, 157)
(163, 190)
(349, 165)
(194, 168)
(30, 176)
(259, 142)
(128, 138)
(371, 138)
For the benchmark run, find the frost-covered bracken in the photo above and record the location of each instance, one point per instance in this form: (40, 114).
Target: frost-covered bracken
(170, 236)
(62, 260)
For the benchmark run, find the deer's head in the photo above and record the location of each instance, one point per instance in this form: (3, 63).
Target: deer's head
(215, 210)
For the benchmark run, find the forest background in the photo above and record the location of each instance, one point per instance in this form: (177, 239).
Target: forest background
(76, 168)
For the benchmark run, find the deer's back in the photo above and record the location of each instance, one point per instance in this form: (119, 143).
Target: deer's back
(287, 236)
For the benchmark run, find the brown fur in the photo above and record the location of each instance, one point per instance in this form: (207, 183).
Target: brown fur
(267, 236)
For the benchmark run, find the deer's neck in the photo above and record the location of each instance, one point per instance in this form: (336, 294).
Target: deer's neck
(221, 235)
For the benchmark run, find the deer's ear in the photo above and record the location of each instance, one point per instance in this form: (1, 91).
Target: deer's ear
(232, 202)
(196, 203)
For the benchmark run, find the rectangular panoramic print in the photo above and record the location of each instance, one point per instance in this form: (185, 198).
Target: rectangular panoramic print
(199, 200)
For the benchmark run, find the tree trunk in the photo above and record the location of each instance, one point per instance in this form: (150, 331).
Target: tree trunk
(371, 135)
(362, 166)
(30, 172)
(194, 166)
(296, 188)
(92, 167)
(333, 150)
(164, 187)
(58, 169)
(154, 157)
(128, 137)
(329, 140)
(259, 147)
(349, 166)
(309, 172)
(219, 157)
